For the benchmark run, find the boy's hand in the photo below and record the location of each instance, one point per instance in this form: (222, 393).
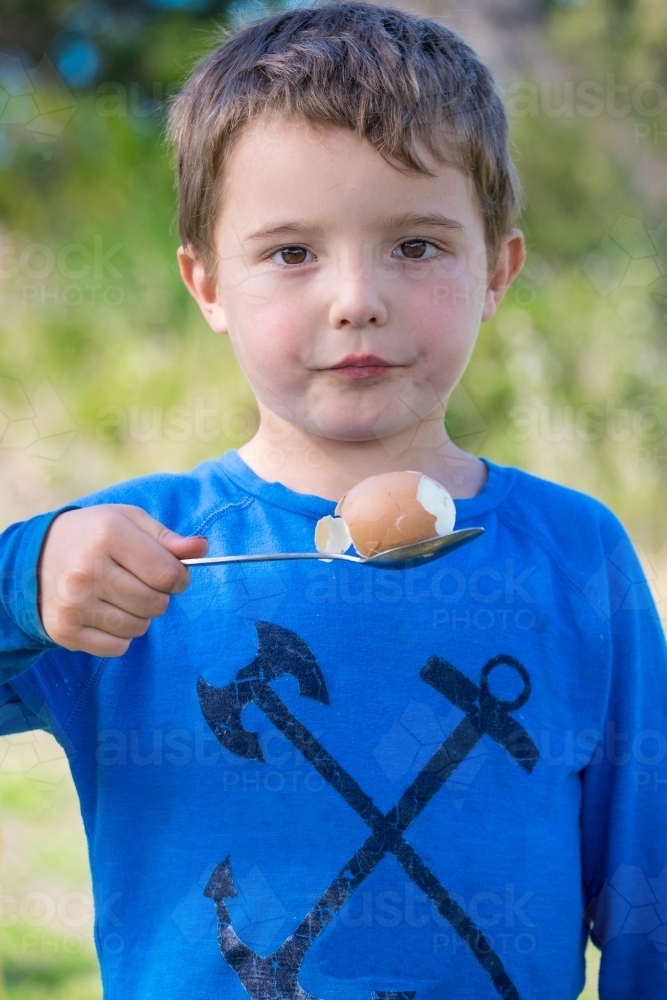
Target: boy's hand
(105, 571)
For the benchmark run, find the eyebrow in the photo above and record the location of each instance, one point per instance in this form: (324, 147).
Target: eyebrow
(284, 229)
(406, 220)
(410, 219)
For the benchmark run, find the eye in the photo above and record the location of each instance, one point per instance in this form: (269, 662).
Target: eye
(292, 255)
(417, 249)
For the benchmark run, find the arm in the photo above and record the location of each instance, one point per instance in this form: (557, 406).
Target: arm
(624, 817)
(22, 635)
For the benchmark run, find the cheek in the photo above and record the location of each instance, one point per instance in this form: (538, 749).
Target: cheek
(268, 330)
(446, 312)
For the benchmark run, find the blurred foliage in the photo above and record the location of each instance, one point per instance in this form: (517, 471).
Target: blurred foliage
(108, 39)
(46, 940)
(569, 380)
(590, 330)
(93, 302)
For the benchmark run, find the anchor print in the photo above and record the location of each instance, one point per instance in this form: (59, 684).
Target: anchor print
(280, 652)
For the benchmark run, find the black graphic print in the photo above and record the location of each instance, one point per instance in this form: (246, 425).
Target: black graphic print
(280, 652)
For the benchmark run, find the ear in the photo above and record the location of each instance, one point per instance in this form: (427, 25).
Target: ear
(510, 261)
(203, 287)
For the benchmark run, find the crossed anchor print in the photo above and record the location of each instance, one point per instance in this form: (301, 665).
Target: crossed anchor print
(280, 652)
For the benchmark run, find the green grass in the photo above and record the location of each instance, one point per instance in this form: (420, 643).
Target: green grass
(46, 945)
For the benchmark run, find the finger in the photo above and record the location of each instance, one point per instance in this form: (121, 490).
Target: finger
(97, 643)
(190, 547)
(108, 618)
(126, 591)
(182, 546)
(143, 556)
(105, 618)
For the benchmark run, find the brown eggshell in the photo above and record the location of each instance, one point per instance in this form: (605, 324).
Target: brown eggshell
(383, 512)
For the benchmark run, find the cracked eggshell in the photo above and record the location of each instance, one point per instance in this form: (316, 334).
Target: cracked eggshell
(332, 535)
(396, 508)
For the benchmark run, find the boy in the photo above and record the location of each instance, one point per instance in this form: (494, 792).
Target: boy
(336, 781)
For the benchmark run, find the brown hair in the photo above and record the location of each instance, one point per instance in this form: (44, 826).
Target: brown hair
(390, 77)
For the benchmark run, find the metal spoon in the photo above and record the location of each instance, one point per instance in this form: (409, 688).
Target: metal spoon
(398, 558)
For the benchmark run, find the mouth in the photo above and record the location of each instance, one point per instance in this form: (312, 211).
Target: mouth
(357, 366)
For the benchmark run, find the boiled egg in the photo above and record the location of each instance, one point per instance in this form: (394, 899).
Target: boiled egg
(386, 511)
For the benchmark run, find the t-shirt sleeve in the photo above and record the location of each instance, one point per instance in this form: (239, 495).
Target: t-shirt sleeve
(17, 716)
(22, 635)
(624, 811)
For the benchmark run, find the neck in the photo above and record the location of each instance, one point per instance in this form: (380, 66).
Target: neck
(307, 463)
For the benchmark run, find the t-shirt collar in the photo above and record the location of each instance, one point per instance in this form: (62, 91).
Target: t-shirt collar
(498, 483)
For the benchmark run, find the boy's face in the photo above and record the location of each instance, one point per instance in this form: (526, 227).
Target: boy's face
(352, 291)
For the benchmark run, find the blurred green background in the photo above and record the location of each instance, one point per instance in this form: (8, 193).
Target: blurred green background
(107, 370)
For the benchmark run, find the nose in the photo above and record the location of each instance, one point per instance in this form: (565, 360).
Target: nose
(357, 299)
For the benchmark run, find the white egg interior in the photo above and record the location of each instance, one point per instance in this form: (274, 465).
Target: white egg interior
(435, 499)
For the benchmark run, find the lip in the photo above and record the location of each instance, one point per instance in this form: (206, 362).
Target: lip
(362, 366)
(363, 361)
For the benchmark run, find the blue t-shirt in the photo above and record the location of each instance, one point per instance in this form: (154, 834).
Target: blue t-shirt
(325, 780)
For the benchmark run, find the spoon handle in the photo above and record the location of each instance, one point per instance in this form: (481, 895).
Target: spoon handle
(270, 557)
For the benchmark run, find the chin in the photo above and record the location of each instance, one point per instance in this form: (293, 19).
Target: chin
(373, 429)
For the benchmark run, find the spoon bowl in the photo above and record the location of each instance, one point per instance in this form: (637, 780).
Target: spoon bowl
(401, 557)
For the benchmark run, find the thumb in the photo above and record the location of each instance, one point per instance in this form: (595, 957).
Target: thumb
(181, 546)
(190, 547)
